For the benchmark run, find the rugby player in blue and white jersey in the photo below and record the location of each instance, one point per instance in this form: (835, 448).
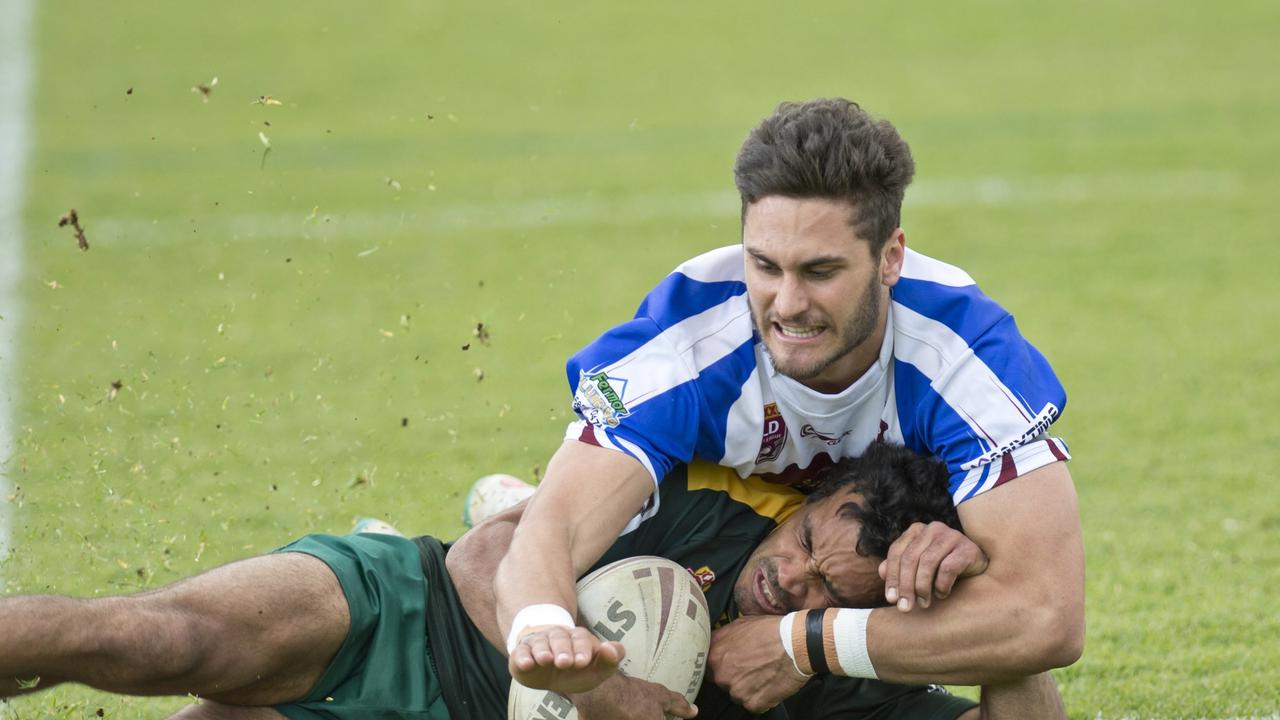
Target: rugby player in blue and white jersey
(816, 336)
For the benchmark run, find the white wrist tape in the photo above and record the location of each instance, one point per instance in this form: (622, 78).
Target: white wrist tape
(850, 630)
(784, 633)
(537, 615)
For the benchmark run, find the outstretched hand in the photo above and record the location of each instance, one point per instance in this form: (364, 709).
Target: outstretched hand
(925, 563)
(564, 660)
(625, 698)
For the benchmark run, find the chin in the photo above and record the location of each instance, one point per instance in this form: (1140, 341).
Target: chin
(798, 370)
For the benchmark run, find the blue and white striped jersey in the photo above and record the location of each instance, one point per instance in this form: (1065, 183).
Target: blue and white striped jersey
(688, 378)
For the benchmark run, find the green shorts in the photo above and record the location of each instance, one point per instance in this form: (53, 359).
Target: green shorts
(384, 670)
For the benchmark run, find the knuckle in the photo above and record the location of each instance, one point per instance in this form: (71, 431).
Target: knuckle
(909, 554)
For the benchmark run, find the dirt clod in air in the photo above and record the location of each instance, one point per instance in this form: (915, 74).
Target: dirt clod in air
(73, 219)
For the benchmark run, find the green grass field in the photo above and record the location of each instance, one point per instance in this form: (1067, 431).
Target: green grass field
(295, 336)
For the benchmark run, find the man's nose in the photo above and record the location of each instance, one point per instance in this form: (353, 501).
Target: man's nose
(791, 300)
(792, 579)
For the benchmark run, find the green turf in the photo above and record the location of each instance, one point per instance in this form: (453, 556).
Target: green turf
(289, 330)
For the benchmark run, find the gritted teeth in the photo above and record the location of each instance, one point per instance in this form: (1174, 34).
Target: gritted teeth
(767, 592)
(799, 332)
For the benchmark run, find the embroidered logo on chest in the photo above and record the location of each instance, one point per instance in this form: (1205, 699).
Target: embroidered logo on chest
(774, 435)
(704, 576)
(809, 431)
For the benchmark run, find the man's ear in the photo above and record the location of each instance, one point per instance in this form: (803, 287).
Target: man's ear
(891, 257)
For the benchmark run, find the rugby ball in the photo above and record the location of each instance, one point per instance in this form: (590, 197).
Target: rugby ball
(655, 608)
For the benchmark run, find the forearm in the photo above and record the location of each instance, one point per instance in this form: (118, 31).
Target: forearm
(1023, 616)
(987, 632)
(537, 568)
(585, 500)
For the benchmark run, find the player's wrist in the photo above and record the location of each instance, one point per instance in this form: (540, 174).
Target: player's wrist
(535, 617)
(848, 632)
(791, 627)
(828, 641)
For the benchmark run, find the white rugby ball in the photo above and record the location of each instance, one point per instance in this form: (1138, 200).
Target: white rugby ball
(655, 608)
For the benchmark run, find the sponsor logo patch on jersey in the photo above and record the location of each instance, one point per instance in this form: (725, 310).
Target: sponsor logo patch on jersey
(597, 401)
(704, 576)
(828, 438)
(774, 435)
(1039, 425)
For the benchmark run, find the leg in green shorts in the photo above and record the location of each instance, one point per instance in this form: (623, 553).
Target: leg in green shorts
(383, 669)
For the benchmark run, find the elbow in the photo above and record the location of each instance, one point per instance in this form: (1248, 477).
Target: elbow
(478, 552)
(463, 553)
(1069, 642)
(456, 560)
(1056, 637)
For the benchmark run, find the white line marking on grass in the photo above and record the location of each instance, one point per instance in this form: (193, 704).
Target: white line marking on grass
(15, 83)
(637, 209)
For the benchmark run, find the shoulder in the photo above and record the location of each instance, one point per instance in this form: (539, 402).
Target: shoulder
(935, 299)
(697, 286)
(699, 313)
(751, 496)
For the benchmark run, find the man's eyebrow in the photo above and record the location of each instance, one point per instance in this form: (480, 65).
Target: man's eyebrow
(808, 264)
(806, 526)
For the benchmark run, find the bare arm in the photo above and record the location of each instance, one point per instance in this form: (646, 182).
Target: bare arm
(1029, 697)
(581, 506)
(472, 561)
(1023, 616)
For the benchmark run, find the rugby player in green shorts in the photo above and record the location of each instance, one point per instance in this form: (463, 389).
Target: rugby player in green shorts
(378, 626)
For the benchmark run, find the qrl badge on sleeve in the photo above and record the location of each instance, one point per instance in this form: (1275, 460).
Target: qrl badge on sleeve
(598, 402)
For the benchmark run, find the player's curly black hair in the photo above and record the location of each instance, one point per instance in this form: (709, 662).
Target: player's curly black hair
(898, 487)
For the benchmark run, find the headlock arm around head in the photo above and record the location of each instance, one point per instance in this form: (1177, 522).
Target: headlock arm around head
(1023, 616)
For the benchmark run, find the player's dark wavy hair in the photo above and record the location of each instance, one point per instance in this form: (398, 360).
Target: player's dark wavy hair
(829, 148)
(898, 487)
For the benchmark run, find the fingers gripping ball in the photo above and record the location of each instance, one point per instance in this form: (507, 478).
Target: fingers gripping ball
(656, 610)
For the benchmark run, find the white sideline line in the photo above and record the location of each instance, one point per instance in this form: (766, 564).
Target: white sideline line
(635, 209)
(15, 83)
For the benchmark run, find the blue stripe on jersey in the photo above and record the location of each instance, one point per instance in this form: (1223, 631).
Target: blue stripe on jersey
(986, 472)
(1020, 366)
(722, 380)
(936, 429)
(610, 347)
(664, 428)
(993, 335)
(965, 310)
(679, 296)
(910, 388)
